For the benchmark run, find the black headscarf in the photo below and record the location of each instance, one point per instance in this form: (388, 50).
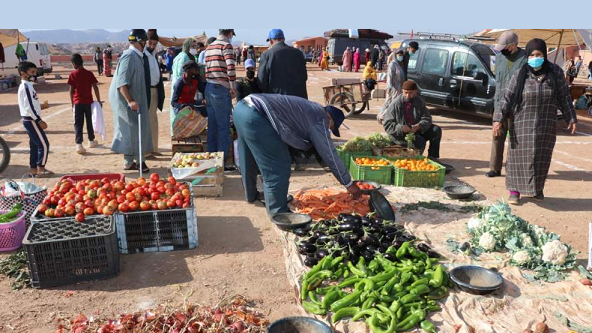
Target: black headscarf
(534, 45)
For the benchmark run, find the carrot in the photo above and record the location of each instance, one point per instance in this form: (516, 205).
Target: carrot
(328, 203)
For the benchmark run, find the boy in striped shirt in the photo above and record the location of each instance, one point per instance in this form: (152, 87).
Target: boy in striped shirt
(220, 78)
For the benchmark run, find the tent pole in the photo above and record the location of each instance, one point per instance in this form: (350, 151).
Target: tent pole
(558, 46)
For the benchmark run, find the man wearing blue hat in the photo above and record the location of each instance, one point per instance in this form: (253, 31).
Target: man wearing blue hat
(268, 125)
(282, 68)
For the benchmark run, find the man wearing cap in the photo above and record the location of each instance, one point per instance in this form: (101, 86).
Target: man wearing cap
(129, 95)
(284, 122)
(248, 84)
(282, 68)
(409, 114)
(411, 50)
(510, 59)
(156, 86)
(220, 90)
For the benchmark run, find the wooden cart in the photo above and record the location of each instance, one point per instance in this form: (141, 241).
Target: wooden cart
(353, 98)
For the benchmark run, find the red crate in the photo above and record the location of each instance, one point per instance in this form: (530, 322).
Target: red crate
(98, 176)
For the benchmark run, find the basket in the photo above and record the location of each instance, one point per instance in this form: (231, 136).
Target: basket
(12, 233)
(380, 174)
(156, 231)
(406, 178)
(347, 156)
(82, 176)
(65, 252)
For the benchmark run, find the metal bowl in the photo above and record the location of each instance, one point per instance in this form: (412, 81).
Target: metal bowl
(290, 221)
(379, 204)
(459, 191)
(298, 325)
(377, 186)
(476, 279)
(449, 168)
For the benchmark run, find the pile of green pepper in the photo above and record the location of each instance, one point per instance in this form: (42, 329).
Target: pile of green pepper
(11, 215)
(391, 296)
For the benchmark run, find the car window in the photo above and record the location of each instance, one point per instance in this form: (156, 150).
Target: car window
(413, 61)
(434, 61)
(466, 64)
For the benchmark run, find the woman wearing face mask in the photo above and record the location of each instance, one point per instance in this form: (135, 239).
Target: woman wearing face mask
(247, 85)
(530, 103)
(189, 46)
(395, 77)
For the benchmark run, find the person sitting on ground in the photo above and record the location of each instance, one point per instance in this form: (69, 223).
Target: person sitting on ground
(408, 114)
(248, 84)
(369, 76)
(186, 87)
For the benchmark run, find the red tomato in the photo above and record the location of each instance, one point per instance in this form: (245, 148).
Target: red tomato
(160, 183)
(47, 201)
(78, 197)
(171, 203)
(133, 206)
(144, 205)
(130, 197)
(70, 210)
(113, 204)
(119, 186)
(54, 200)
(42, 208)
(105, 180)
(129, 187)
(161, 189)
(88, 211)
(62, 202)
(186, 193)
(80, 207)
(49, 212)
(169, 186)
(141, 191)
(172, 180)
(155, 196)
(186, 205)
(94, 184)
(88, 203)
(123, 207)
(108, 187)
(161, 205)
(179, 203)
(79, 217)
(183, 187)
(169, 192)
(108, 210)
(100, 209)
(83, 191)
(120, 198)
(141, 181)
(154, 177)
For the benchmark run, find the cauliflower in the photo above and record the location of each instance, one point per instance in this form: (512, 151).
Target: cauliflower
(525, 239)
(474, 223)
(521, 257)
(555, 252)
(487, 241)
(538, 231)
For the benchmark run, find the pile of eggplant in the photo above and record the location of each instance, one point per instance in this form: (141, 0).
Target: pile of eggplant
(352, 236)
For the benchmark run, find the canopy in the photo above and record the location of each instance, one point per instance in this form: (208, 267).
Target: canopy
(9, 37)
(174, 41)
(395, 45)
(554, 38)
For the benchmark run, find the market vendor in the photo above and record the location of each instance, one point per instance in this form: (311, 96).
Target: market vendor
(408, 114)
(186, 87)
(267, 125)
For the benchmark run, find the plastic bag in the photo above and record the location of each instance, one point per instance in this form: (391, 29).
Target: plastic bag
(98, 120)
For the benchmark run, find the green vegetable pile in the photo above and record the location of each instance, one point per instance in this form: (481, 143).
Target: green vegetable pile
(11, 215)
(391, 296)
(15, 267)
(495, 228)
(361, 144)
(410, 138)
(379, 140)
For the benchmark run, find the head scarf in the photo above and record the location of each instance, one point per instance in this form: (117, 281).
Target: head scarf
(187, 46)
(534, 45)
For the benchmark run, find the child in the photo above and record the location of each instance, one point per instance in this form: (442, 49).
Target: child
(186, 87)
(81, 81)
(30, 109)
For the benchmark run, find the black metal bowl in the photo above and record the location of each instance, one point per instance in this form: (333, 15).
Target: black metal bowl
(290, 221)
(459, 191)
(379, 204)
(298, 325)
(476, 279)
(449, 168)
(377, 186)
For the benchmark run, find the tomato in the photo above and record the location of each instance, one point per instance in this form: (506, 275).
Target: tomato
(186, 193)
(107, 187)
(42, 208)
(155, 196)
(124, 191)
(183, 187)
(78, 197)
(88, 203)
(169, 192)
(91, 194)
(138, 197)
(88, 211)
(133, 206)
(49, 212)
(120, 198)
(70, 210)
(129, 187)
(161, 189)
(141, 181)
(172, 180)
(80, 207)
(160, 183)
(130, 196)
(141, 191)
(186, 205)
(94, 184)
(110, 196)
(144, 205)
(113, 204)
(79, 217)
(161, 205)
(108, 210)
(154, 177)
(169, 186)
(54, 200)
(62, 202)
(100, 209)
(123, 207)
(79, 186)
(47, 201)
(171, 203)
(179, 203)
(119, 186)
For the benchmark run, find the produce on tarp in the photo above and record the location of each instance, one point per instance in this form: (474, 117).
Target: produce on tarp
(15, 268)
(328, 203)
(531, 247)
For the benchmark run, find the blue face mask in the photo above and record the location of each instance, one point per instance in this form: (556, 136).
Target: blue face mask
(399, 58)
(411, 53)
(536, 62)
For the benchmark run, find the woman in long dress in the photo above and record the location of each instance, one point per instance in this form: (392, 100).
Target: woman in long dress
(357, 60)
(347, 59)
(325, 61)
(535, 93)
(107, 58)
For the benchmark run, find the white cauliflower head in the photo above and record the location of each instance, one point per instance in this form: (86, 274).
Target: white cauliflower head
(555, 252)
(525, 239)
(539, 231)
(487, 241)
(521, 257)
(474, 223)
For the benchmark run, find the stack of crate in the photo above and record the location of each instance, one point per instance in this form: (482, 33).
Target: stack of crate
(209, 182)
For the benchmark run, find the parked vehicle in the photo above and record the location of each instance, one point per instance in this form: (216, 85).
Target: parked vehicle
(337, 46)
(37, 53)
(454, 74)
(4, 155)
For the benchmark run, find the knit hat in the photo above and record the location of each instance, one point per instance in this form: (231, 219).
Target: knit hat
(409, 85)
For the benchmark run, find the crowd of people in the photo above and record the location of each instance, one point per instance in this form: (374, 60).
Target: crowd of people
(272, 103)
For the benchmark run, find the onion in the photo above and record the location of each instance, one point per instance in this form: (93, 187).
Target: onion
(541, 328)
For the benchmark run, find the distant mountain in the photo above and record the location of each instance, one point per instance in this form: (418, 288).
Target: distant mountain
(76, 36)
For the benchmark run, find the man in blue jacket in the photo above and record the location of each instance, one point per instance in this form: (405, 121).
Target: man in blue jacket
(267, 125)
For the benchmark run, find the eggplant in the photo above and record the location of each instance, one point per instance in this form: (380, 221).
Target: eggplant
(423, 247)
(368, 256)
(433, 254)
(353, 236)
(347, 226)
(318, 234)
(310, 261)
(407, 237)
(369, 240)
(382, 248)
(341, 216)
(305, 248)
(374, 228)
(398, 226)
(388, 230)
(397, 243)
(358, 219)
(311, 239)
(390, 256)
(371, 248)
(366, 222)
(300, 232)
(324, 239)
(390, 237)
(321, 253)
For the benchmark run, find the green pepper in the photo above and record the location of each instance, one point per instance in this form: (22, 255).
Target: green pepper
(355, 271)
(415, 305)
(364, 312)
(409, 298)
(313, 308)
(324, 290)
(438, 293)
(373, 266)
(402, 251)
(10, 215)
(384, 262)
(313, 297)
(395, 306)
(361, 265)
(344, 312)
(416, 254)
(411, 320)
(374, 327)
(346, 273)
(386, 310)
(399, 312)
(384, 276)
(304, 290)
(419, 267)
(314, 284)
(338, 273)
(421, 289)
(327, 263)
(386, 298)
(433, 308)
(336, 261)
(345, 301)
(330, 298)
(438, 278)
(406, 276)
(391, 250)
(315, 269)
(348, 282)
(368, 303)
(419, 281)
(427, 326)
(324, 274)
(367, 283)
(398, 287)
(386, 289)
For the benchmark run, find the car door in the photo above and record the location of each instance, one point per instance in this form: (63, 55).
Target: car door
(473, 86)
(433, 78)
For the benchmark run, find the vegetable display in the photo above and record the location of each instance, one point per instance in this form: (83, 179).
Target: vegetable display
(12, 214)
(360, 144)
(328, 203)
(495, 228)
(390, 295)
(105, 196)
(373, 162)
(415, 164)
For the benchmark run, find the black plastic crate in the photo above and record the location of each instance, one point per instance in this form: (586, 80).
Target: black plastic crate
(65, 252)
(157, 231)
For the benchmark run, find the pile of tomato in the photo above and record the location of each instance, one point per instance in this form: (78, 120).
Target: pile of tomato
(366, 186)
(106, 196)
(415, 165)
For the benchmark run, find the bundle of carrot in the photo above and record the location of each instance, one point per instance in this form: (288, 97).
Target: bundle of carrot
(329, 203)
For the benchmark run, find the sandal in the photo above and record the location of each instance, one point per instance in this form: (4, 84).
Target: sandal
(43, 174)
(131, 166)
(144, 167)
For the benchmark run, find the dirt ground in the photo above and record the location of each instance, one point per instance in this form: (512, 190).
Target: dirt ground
(239, 252)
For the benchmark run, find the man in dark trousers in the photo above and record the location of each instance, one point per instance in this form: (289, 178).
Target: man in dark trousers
(282, 68)
(411, 50)
(374, 55)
